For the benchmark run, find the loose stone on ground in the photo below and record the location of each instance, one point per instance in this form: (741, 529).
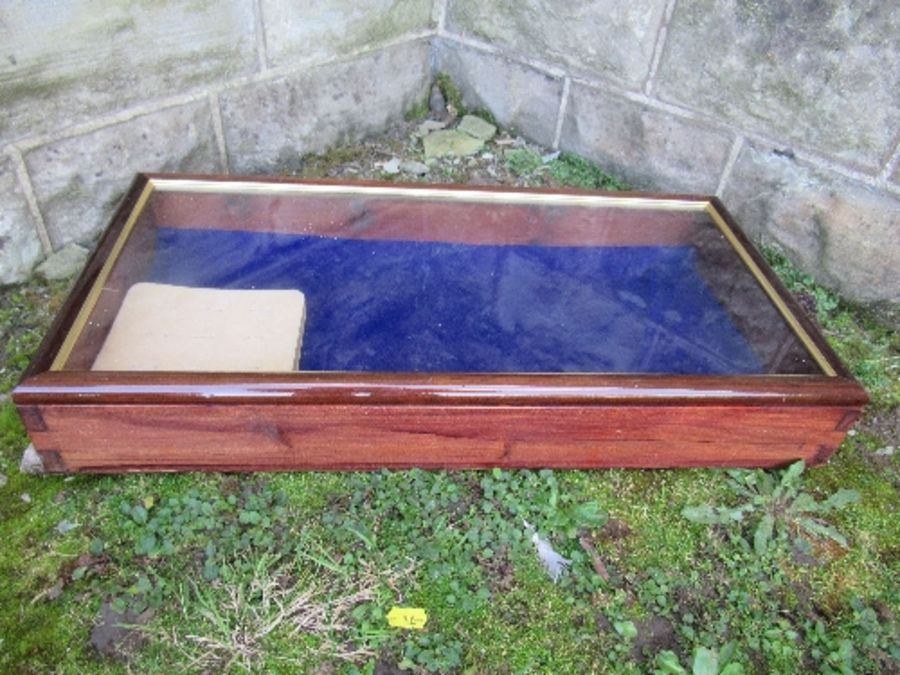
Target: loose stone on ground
(66, 526)
(413, 167)
(31, 462)
(451, 142)
(392, 166)
(477, 127)
(428, 126)
(66, 262)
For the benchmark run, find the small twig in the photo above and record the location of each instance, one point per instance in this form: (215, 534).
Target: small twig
(596, 560)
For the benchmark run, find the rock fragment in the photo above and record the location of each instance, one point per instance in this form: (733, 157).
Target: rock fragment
(451, 142)
(66, 262)
(477, 127)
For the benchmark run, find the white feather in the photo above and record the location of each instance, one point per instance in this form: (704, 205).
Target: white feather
(553, 562)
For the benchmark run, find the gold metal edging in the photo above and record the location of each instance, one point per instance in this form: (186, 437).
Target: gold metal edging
(93, 295)
(774, 296)
(537, 198)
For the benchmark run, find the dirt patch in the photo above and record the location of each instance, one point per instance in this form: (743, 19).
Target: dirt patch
(615, 529)
(385, 666)
(118, 635)
(499, 570)
(654, 635)
(884, 425)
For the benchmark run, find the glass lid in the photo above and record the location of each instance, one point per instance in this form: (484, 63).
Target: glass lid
(239, 276)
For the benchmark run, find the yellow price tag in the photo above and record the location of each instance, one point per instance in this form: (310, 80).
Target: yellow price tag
(407, 617)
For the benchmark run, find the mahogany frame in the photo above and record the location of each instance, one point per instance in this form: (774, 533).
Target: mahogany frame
(83, 421)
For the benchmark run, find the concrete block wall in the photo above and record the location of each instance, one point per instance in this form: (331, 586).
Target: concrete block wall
(789, 111)
(93, 91)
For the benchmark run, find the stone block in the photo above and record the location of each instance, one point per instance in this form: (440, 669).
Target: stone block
(649, 148)
(477, 127)
(270, 125)
(838, 230)
(450, 142)
(822, 74)
(64, 263)
(79, 181)
(31, 462)
(20, 247)
(70, 60)
(303, 31)
(611, 39)
(518, 96)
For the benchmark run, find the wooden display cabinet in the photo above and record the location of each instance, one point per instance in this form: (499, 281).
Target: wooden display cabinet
(447, 327)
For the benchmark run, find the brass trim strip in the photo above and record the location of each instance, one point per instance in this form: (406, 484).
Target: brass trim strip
(87, 307)
(774, 296)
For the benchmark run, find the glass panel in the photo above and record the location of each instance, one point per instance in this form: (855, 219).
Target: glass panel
(399, 280)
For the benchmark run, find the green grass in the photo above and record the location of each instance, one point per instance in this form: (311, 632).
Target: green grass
(564, 169)
(25, 312)
(870, 348)
(574, 171)
(217, 557)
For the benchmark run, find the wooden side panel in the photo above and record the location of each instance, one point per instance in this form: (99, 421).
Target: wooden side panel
(111, 438)
(368, 216)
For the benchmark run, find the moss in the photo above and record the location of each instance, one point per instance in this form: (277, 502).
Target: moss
(401, 17)
(645, 500)
(322, 165)
(13, 436)
(36, 630)
(486, 115)
(25, 313)
(530, 629)
(574, 171)
(452, 95)
(33, 85)
(522, 161)
(420, 109)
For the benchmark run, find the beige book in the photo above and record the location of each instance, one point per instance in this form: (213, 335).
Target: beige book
(162, 327)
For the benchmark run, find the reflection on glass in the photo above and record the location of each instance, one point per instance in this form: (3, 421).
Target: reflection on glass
(436, 307)
(408, 284)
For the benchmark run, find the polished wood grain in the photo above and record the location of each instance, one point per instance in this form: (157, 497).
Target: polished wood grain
(99, 438)
(436, 389)
(374, 217)
(84, 421)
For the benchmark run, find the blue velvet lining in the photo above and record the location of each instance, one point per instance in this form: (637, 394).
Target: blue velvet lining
(407, 306)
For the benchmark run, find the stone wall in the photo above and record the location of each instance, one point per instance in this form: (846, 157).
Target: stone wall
(93, 91)
(789, 111)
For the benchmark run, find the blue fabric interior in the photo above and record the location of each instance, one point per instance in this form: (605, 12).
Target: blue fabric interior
(408, 306)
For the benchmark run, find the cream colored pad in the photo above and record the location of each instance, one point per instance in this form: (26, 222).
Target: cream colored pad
(162, 327)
